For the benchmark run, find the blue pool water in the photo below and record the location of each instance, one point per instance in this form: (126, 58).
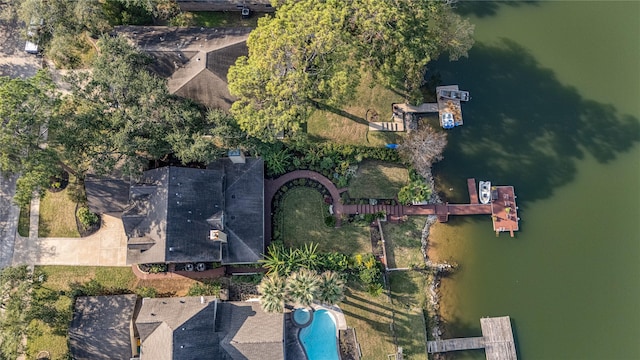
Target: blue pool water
(301, 316)
(319, 338)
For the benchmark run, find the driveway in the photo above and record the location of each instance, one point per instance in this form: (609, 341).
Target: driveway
(107, 247)
(14, 62)
(9, 213)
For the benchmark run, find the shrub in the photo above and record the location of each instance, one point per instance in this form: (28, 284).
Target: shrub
(157, 268)
(330, 221)
(205, 288)
(370, 276)
(375, 289)
(146, 292)
(86, 217)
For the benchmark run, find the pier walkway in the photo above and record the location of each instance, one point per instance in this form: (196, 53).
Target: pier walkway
(497, 340)
(503, 209)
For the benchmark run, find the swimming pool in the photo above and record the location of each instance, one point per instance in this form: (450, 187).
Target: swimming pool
(319, 339)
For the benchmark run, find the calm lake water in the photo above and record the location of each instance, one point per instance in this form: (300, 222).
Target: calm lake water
(555, 112)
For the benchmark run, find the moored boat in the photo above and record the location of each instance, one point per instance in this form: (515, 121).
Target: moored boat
(485, 191)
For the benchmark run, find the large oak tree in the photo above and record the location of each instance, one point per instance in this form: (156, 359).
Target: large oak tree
(312, 51)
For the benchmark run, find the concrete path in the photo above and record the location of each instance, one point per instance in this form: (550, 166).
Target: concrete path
(107, 247)
(9, 213)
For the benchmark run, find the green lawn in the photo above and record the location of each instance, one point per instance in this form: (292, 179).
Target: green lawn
(303, 222)
(408, 296)
(23, 221)
(349, 124)
(49, 333)
(377, 179)
(403, 244)
(57, 216)
(223, 19)
(371, 317)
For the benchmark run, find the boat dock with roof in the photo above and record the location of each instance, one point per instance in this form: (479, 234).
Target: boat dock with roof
(447, 107)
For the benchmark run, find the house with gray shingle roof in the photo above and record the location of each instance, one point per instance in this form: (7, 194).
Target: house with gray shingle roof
(194, 60)
(179, 215)
(204, 328)
(101, 328)
(179, 328)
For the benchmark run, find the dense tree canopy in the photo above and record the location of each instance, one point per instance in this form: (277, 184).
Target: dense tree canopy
(313, 51)
(26, 107)
(121, 115)
(299, 55)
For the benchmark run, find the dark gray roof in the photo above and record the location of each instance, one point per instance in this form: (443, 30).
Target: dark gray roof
(244, 210)
(201, 328)
(100, 328)
(251, 333)
(169, 211)
(194, 60)
(173, 210)
(106, 195)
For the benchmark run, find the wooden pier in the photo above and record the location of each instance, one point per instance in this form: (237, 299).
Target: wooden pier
(497, 340)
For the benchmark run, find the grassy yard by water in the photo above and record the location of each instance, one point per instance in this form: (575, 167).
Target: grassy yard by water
(57, 216)
(377, 179)
(303, 219)
(404, 247)
(371, 318)
(349, 124)
(408, 297)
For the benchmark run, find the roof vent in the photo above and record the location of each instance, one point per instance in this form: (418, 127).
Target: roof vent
(236, 156)
(217, 235)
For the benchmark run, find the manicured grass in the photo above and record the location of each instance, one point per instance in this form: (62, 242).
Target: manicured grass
(57, 216)
(51, 335)
(23, 221)
(377, 179)
(403, 244)
(303, 222)
(371, 317)
(349, 124)
(224, 19)
(408, 296)
(60, 277)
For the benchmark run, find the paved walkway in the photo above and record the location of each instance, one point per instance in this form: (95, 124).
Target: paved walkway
(107, 247)
(272, 186)
(9, 213)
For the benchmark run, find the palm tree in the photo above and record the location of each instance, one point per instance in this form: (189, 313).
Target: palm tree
(331, 288)
(308, 256)
(302, 287)
(273, 290)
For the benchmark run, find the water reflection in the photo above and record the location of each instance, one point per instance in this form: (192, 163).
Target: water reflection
(523, 127)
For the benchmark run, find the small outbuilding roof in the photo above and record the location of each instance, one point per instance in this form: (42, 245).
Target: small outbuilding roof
(106, 195)
(100, 328)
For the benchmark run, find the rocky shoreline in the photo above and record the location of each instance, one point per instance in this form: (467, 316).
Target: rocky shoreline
(435, 272)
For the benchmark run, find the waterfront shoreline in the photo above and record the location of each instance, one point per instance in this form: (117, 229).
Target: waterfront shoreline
(434, 314)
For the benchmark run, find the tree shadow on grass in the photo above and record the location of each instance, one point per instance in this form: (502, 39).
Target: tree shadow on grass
(340, 112)
(523, 127)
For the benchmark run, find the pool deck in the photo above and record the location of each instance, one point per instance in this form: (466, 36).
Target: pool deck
(338, 316)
